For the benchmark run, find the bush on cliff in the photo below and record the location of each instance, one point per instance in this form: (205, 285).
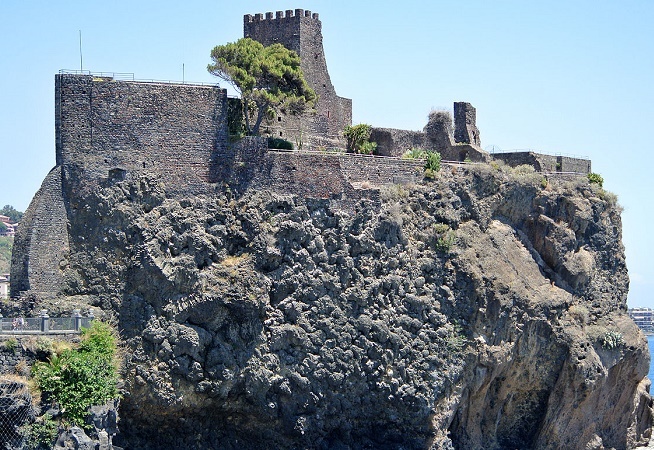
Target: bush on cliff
(596, 178)
(84, 376)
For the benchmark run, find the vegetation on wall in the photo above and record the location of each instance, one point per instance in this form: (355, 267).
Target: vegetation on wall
(358, 139)
(77, 378)
(235, 121)
(414, 153)
(41, 434)
(267, 78)
(279, 143)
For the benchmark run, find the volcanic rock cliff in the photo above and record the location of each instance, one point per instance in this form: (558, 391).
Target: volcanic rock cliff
(480, 310)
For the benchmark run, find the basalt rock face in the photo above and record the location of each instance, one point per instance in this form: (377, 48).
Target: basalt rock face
(476, 311)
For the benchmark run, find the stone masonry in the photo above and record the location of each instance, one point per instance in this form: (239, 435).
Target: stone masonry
(465, 124)
(108, 131)
(301, 31)
(459, 144)
(546, 163)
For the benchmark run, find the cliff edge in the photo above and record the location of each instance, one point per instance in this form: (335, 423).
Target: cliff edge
(481, 310)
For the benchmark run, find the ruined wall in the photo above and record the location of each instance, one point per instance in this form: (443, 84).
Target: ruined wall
(465, 124)
(171, 129)
(394, 142)
(456, 144)
(301, 31)
(545, 163)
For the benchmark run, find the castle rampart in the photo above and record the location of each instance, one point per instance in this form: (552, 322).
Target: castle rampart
(103, 124)
(465, 124)
(289, 14)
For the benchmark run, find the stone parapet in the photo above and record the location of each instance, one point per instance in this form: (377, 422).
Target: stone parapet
(545, 163)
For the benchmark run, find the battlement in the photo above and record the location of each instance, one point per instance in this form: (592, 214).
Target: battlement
(279, 15)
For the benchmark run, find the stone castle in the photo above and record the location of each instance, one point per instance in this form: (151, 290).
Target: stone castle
(107, 130)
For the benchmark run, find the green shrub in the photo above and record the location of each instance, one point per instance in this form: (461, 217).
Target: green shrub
(611, 340)
(279, 143)
(82, 377)
(6, 244)
(596, 178)
(368, 148)
(456, 340)
(433, 161)
(444, 237)
(10, 344)
(610, 198)
(524, 169)
(414, 153)
(357, 137)
(40, 434)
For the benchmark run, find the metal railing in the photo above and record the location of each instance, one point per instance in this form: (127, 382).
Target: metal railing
(128, 76)
(44, 324)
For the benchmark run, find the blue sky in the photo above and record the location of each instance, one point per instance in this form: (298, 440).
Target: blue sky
(557, 76)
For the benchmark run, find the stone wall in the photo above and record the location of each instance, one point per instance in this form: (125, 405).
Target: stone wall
(41, 242)
(465, 124)
(174, 130)
(394, 142)
(458, 145)
(301, 31)
(12, 356)
(545, 163)
(313, 174)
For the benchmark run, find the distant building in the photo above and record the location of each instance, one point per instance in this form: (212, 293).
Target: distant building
(644, 318)
(11, 227)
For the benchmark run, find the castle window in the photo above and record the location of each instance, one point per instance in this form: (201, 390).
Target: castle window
(280, 133)
(279, 118)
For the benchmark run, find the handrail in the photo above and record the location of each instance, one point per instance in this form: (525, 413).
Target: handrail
(44, 324)
(129, 76)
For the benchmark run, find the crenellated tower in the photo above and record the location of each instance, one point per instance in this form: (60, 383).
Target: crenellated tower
(301, 31)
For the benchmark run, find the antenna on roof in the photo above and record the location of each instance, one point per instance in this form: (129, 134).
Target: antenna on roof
(80, 51)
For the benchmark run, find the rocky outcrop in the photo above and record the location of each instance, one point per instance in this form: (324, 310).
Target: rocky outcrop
(479, 311)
